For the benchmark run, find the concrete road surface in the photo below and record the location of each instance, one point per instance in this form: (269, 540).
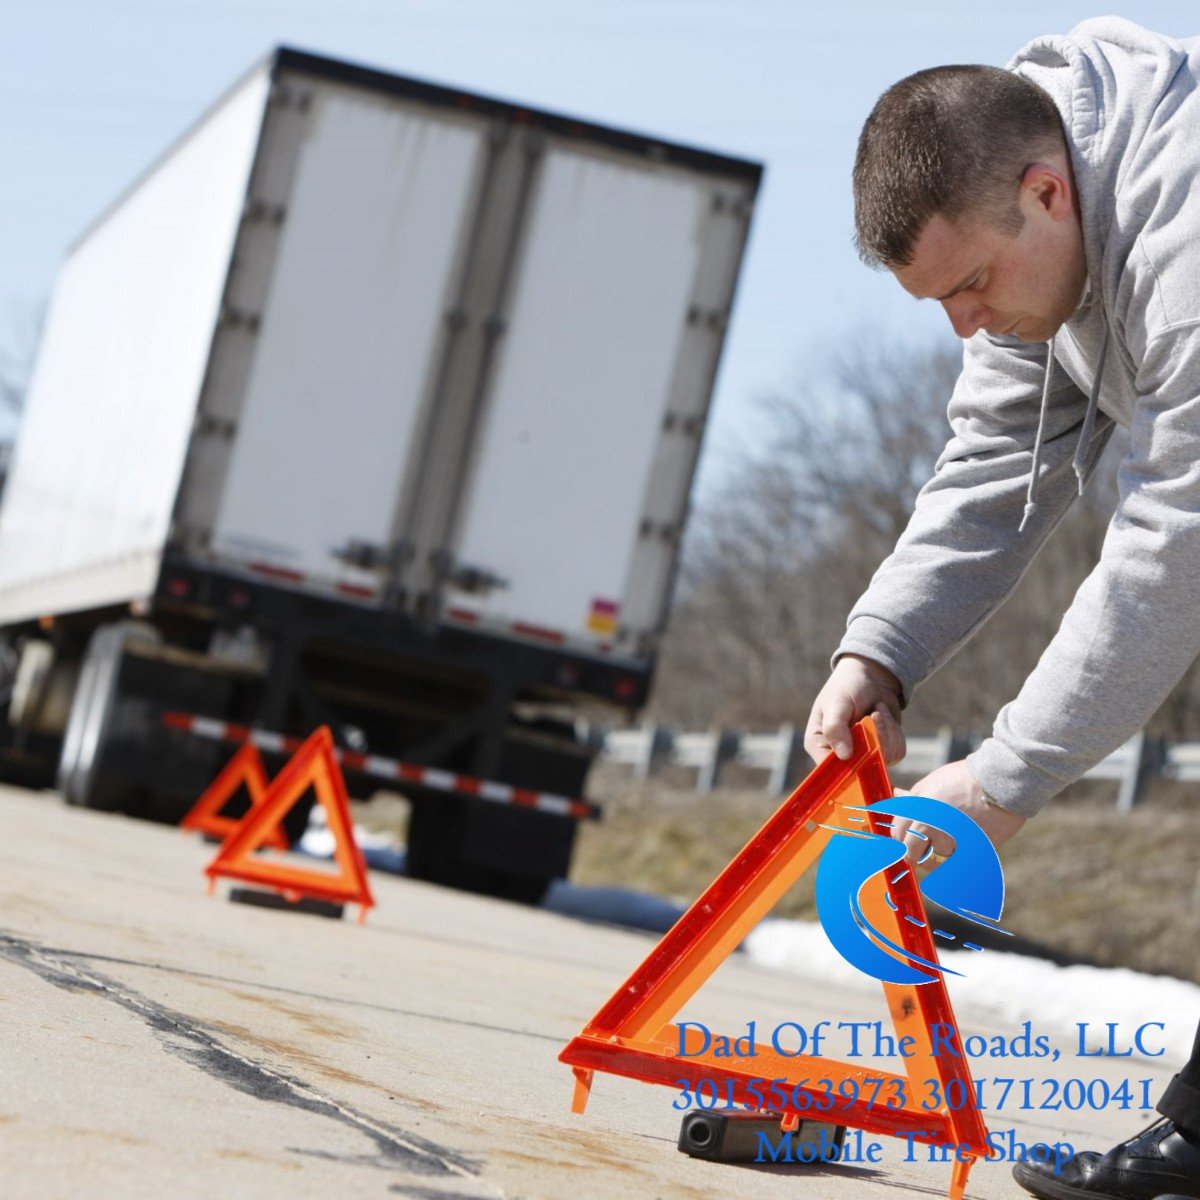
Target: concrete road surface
(159, 1043)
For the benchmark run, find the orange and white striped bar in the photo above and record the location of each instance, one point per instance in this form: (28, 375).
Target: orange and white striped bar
(389, 768)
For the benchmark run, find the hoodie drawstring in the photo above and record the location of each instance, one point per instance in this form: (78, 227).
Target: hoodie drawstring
(1031, 501)
(1085, 432)
(1089, 418)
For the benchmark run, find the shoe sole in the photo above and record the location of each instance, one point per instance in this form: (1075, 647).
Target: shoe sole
(1052, 1189)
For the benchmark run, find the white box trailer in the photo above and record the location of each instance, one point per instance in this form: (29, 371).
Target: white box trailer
(389, 369)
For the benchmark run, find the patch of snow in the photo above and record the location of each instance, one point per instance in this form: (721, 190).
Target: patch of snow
(1011, 988)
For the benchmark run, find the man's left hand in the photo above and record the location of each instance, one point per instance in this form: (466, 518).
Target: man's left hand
(954, 784)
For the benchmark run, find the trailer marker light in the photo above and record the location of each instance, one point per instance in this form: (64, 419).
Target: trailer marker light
(274, 572)
(537, 632)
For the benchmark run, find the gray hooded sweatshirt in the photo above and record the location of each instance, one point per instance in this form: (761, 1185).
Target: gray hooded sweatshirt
(1029, 423)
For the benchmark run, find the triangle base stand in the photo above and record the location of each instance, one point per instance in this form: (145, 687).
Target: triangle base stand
(306, 904)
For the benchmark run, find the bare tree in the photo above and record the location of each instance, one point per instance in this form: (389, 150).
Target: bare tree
(775, 561)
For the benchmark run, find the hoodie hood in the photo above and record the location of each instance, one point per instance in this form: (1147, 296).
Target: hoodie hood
(1112, 83)
(1108, 78)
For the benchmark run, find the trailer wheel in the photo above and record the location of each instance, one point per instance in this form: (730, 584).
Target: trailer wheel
(81, 779)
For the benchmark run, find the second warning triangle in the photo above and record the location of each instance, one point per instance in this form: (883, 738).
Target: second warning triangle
(244, 770)
(313, 766)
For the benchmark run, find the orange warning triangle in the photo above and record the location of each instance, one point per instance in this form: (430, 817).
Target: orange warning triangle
(313, 765)
(244, 768)
(632, 1035)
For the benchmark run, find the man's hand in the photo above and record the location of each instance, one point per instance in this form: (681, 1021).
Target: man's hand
(955, 785)
(858, 686)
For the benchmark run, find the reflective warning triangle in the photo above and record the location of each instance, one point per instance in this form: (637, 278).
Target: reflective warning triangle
(633, 1034)
(246, 769)
(314, 765)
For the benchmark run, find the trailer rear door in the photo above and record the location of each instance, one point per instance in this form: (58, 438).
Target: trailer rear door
(370, 242)
(596, 328)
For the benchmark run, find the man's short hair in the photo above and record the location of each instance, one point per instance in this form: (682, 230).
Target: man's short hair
(949, 140)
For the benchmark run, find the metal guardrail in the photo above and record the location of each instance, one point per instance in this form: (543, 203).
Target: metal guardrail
(781, 756)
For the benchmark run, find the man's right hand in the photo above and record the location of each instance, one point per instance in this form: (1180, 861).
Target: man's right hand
(858, 686)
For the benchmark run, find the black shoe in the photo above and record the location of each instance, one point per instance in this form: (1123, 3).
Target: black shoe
(1160, 1161)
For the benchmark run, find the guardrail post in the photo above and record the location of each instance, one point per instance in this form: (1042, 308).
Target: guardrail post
(945, 745)
(1127, 794)
(657, 741)
(787, 760)
(722, 747)
(1149, 758)
(590, 734)
(961, 744)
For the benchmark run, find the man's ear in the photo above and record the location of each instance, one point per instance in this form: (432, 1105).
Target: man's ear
(1050, 188)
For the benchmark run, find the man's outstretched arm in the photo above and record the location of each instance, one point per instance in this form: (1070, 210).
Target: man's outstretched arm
(1133, 627)
(962, 553)
(1131, 631)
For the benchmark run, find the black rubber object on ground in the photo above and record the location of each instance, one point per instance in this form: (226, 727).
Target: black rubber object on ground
(314, 908)
(734, 1136)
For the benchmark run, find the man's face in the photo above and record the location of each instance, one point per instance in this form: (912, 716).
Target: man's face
(1025, 284)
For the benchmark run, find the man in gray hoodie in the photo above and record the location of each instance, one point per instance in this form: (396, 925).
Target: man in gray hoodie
(1053, 210)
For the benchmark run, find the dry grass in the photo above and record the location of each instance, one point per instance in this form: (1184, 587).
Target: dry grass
(1082, 880)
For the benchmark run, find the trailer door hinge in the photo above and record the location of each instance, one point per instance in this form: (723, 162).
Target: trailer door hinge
(263, 210)
(211, 425)
(367, 556)
(668, 531)
(713, 318)
(478, 580)
(236, 318)
(687, 423)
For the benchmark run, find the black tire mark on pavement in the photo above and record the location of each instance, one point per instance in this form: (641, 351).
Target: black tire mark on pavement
(186, 1039)
(301, 993)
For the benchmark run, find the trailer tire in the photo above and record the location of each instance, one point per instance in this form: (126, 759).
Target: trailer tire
(81, 778)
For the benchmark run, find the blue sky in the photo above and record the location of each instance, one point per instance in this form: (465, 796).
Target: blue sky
(92, 90)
